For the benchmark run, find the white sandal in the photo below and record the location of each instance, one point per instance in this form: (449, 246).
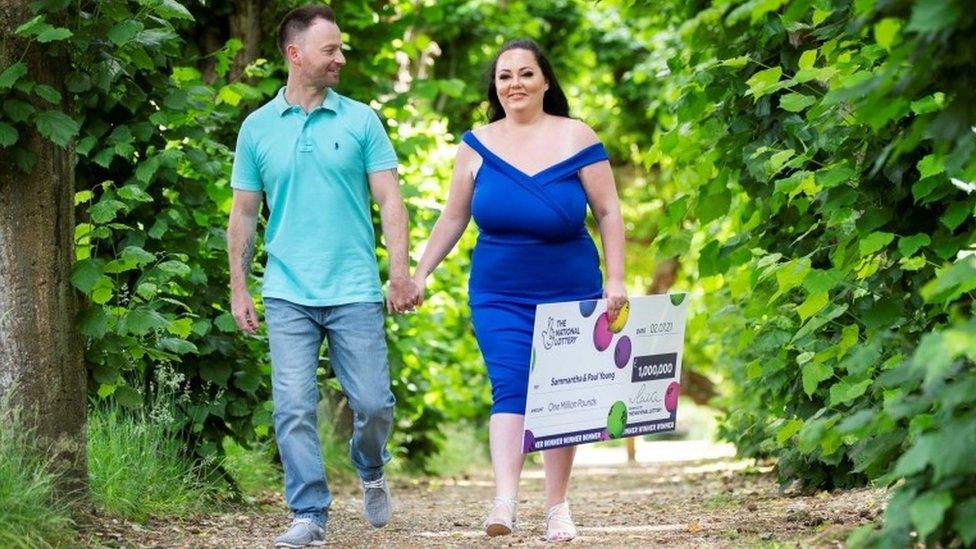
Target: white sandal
(567, 531)
(505, 525)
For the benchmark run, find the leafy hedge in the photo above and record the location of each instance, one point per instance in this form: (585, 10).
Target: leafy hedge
(822, 154)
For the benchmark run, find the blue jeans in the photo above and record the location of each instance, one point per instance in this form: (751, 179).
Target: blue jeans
(357, 349)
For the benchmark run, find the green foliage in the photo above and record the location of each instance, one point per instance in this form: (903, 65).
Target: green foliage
(138, 464)
(30, 513)
(840, 274)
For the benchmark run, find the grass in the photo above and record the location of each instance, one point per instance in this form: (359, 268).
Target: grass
(137, 467)
(31, 515)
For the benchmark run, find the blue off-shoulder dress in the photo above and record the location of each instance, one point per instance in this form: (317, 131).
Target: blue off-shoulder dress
(532, 248)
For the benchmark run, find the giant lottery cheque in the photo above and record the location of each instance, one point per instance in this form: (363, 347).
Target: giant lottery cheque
(591, 379)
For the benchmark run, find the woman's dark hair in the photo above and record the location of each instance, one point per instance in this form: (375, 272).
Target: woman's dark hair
(553, 102)
(298, 20)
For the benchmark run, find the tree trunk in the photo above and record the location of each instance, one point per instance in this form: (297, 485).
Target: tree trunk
(245, 25)
(41, 364)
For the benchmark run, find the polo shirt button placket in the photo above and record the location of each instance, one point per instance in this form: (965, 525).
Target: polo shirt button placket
(305, 142)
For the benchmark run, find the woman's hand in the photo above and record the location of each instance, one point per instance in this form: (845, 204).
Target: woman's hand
(421, 282)
(616, 295)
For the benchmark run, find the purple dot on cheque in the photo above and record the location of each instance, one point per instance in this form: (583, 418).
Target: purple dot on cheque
(621, 353)
(671, 396)
(528, 441)
(587, 307)
(601, 333)
(604, 435)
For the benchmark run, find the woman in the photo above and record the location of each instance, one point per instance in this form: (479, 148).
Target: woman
(532, 248)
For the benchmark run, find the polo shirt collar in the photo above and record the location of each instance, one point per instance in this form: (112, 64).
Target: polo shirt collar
(282, 106)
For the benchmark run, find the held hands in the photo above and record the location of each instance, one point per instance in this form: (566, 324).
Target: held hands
(616, 295)
(402, 295)
(242, 308)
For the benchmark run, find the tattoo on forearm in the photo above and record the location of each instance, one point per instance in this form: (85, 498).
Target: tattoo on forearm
(246, 254)
(393, 172)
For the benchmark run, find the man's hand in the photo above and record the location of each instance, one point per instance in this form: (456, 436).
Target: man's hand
(242, 307)
(402, 295)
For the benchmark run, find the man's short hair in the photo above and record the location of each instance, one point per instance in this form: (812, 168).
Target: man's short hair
(300, 19)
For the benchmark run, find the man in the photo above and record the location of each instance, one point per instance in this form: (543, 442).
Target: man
(317, 156)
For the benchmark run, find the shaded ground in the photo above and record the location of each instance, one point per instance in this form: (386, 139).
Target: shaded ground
(714, 502)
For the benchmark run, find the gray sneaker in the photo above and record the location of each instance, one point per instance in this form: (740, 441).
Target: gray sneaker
(376, 502)
(302, 533)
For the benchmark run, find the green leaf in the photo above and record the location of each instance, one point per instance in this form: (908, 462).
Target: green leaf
(85, 273)
(248, 382)
(128, 397)
(105, 210)
(807, 59)
(225, 323)
(169, 9)
(847, 390)
(181, 327)
(818, 280)
(787, 431)
(818, 321)
(48, 94)
(103, 290)
(927, 511)
(886, 32)
(874, 242)
(930, 165)
(56, 126)
(813, 374)
(955, 214)
(147, 168)
(908, 245)
(140, 321)
(11, 74)
(916, 458)
(796, 102)
(77, 82)
(965, 520)
(93, 322)
(8, 135)
(791, 274)
(17, 110)
(952, 282)
(134, 193)
(835, 175)
(932, 15)
(32, 26)
(175, 267)
(122, 32)
(812, 305)
(912, 263)
(216, 372)
(53, 34)
(177, 346)
(137, 255)
(764, 82)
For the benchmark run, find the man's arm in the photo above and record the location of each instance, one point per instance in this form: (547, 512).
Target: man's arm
(385, 187)
(241, 232)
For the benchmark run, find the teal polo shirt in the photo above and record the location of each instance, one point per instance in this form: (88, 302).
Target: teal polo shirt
(312, 169)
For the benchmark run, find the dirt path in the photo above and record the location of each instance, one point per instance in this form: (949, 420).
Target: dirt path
(714, 502)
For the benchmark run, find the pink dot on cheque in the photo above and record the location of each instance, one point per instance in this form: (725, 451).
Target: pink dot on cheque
(601, 333)
(621, 353)
(671, 396)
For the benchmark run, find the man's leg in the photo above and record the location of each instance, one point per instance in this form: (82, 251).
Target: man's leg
(295, 339)
(357, 348)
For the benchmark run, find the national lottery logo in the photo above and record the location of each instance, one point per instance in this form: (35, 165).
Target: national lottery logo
(558, 332)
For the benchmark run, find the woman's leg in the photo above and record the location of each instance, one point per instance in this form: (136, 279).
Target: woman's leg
(505, 438)
(558, 464)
